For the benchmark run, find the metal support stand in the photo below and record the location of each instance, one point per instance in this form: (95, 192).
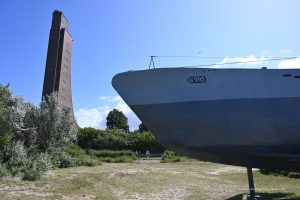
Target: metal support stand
(152, 62)
(251, 195)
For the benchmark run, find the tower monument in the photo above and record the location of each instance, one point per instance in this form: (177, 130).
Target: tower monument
(58, 65)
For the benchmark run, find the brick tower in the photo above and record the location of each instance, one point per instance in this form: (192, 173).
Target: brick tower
(58, 65)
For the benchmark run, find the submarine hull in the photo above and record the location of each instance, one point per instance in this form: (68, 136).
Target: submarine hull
(243, 117)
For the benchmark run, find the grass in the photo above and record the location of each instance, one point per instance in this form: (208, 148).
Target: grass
(186, 180)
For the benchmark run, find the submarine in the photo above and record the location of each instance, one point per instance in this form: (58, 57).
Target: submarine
(241, 117)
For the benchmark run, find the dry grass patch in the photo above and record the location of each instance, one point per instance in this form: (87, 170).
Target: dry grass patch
(149, 181)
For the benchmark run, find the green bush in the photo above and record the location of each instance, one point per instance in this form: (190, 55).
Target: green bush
(114, 156)
(27, 130)
(122, 159)
(36, 166)
(112, 153)
(3, 170)
(75, 151)
(280, 173)
(61, 159)
(170, 156)
(146, 141)
(15, 158)
(32, 171)
(44, 162)
(15, 170)
(65, 161)
(54, 124)
(5, 125)
(90, 138)
(80, 157)
(31, 174)
(294, 175)
(87, 161)
(55, 158)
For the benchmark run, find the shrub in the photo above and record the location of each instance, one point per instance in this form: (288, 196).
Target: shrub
(67, 161)
(90, 138)
(280, 173)
(36, 166)
(55, 125)
(60, 159)
(294, 175)
(75, 151)
(3, 170)
(15, 157)
(43, 161)
(55, 158)
(80, 157)
(27, 130)
(87, 161)
(22, 119)
(112, 153)
(114, 156)
(5, 103)
(170, 156)
(32, 171)
(143, 128)
(122, 159)
(146, 141)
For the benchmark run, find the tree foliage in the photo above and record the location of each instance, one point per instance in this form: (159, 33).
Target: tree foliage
(22, 117)
(117, 120)
(91, 138)
(55, 125)
(5, 103)
(143, 128)
(33, 138)
(171, 156)
(49, 126)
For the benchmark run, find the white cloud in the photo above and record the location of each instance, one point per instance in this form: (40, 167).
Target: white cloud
(116, 99)
(121, 105)
(266, 54)
(285, 51)
(104, 98)
(253, 61)
(289, 64)
(247, 60)
(92, 117)
(96, 117)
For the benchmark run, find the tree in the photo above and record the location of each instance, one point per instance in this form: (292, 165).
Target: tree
(5, 103)
(117, 120)
(22, 117)
(33, 139)
(55, 124)
(142, 128)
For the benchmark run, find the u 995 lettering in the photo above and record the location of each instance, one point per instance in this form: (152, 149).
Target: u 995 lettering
(197, 79)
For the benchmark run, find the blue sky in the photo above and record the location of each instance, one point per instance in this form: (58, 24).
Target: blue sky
(115, 36)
